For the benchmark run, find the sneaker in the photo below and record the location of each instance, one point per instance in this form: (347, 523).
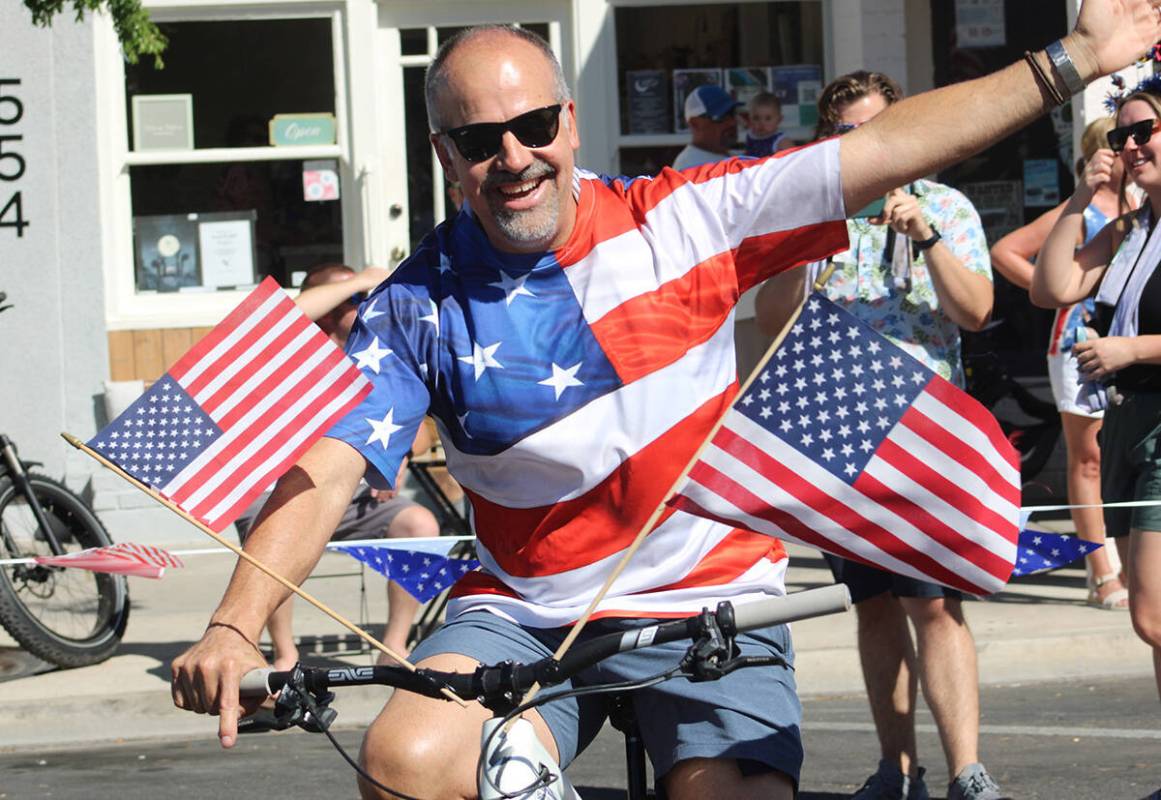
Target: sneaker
(974, 783)
(889, 783)
(1155, 796)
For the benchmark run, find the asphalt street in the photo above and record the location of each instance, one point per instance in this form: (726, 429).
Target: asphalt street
(1060, 739)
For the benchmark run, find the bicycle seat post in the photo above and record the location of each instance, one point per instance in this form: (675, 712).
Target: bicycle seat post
(623, 717)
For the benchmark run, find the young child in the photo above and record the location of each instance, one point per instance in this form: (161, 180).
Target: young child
(762, 123)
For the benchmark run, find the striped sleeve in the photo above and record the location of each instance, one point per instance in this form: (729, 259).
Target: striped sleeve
(771, 214)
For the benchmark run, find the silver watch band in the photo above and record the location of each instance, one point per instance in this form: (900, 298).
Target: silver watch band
(1065, 67)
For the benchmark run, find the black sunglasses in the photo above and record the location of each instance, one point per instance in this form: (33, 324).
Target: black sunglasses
(481, 140)
(1140, 131)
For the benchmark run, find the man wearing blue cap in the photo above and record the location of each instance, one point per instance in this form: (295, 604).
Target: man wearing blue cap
(713, 126)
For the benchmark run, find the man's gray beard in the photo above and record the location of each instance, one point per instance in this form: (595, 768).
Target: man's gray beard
(534, 226)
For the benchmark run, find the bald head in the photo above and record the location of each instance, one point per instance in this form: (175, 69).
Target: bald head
(472, 43)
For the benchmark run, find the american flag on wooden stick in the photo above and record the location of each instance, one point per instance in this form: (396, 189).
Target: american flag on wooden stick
(237, 410)
(846, 443)
(124, 558)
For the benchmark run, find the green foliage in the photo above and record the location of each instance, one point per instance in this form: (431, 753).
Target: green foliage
(138, 35)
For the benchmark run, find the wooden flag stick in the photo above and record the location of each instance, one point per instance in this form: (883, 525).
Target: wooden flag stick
(242, 554)
(579, 625)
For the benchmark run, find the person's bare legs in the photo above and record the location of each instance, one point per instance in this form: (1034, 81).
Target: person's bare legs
(280, 626)
(413, 521)
(710, 778)
(1144, 569)
(1084, 488)
(888, 660)
(428, 748)
(949, 675)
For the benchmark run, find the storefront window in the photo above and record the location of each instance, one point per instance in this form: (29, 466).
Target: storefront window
(664, 52)
(234, 155)
(1018, 178)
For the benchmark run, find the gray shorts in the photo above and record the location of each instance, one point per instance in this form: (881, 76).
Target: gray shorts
(365, 517)
(752, 715)
(1130, 441)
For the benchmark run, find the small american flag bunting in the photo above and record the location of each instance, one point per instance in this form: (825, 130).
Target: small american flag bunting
(124, 558)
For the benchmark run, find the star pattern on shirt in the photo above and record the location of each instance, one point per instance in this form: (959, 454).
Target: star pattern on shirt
(482, 358)
(562, 378)
(829, 393)
(433, 317)
(162, 432)
(370, 311)
(381, 430)
(512, 287)
(371, 357)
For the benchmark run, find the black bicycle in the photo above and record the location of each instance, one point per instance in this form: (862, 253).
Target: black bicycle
(67, 617)
(512, 762)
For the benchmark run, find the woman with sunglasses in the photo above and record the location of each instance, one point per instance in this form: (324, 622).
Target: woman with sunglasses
(1120, 266)
(1013, 257)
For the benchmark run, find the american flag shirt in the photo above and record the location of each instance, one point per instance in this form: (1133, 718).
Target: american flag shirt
(572, 387)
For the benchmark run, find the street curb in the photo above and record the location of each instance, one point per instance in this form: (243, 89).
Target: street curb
(63, 723)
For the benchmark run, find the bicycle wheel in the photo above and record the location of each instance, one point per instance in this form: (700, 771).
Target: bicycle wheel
(68, 617)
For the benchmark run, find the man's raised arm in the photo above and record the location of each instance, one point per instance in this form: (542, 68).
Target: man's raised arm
(933, 130)
(288, 536)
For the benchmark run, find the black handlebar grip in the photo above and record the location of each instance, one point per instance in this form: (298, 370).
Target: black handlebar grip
(800, 605)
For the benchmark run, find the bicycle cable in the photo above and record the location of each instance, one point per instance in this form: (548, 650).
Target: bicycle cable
(544, 780)
(308, 702)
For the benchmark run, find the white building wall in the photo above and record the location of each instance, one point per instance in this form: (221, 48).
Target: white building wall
(54, 354)
(871, 35)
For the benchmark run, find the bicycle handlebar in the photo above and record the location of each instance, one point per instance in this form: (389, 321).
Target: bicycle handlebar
(488, 681)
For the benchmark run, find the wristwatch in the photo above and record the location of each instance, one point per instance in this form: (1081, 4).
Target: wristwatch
(927, 244)
(1065, 67)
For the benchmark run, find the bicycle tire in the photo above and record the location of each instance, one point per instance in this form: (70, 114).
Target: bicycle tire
(67, 617)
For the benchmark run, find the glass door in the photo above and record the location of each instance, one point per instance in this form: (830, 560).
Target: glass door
(417, 194)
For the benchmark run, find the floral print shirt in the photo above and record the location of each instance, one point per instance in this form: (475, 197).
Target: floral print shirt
(910, 315)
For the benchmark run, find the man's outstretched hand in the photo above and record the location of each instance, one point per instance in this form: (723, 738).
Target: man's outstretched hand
(1112, 34)
(206, 678)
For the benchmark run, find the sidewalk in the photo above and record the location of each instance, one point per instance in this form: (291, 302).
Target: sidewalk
(1039, 628)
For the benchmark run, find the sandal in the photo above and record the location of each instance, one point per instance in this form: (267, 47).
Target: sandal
(1116, 600)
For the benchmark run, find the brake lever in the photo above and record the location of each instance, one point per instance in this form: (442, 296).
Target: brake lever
(296, 705)
(713, 649)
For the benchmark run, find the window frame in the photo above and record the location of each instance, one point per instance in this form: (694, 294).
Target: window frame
(125, 307)
(623, 140)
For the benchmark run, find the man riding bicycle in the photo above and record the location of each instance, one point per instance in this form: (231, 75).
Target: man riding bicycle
(573, 335)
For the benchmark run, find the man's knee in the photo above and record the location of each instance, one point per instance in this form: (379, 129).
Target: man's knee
(881, 609)
(413, 521)
(414, 759)
(935, 613)
(709, 778)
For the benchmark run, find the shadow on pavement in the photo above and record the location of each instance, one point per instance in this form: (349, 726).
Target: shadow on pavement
(15, 663)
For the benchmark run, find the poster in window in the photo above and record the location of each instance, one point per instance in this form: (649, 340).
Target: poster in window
(163, 122)
(166, 252)
(1041, 182)
(743, 83)
(320, 180)
(647, 94)
(980, 23)
(226, 245)
(797, 87)
(684, 82)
